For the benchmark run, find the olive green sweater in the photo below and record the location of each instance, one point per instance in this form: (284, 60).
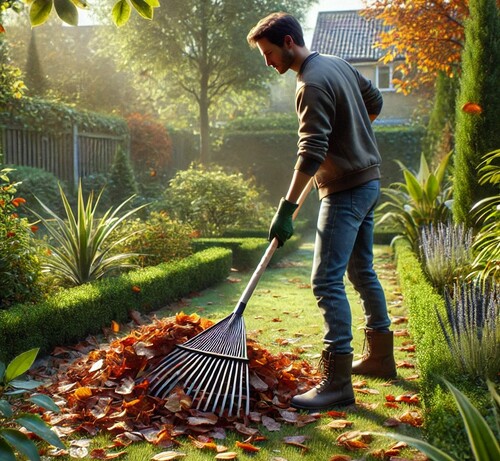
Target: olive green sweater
(336, 141)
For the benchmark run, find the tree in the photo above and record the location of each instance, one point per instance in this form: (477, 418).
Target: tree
(35, 78)
(197, 48)
(429, 34)
(477, 129)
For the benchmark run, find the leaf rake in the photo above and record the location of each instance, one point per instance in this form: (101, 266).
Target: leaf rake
(212, 367)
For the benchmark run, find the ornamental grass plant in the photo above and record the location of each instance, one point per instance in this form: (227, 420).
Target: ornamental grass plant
(446, 252)
(81, 244)
(472, 329)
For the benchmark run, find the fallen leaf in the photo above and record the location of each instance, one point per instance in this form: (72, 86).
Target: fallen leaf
(339, 424)
(245, 446)
(168, 455)
(227, 455)
(270, 424)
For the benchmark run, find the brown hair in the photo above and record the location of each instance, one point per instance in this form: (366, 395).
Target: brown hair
(275, 28)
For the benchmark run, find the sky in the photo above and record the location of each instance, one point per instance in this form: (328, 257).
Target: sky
(327, 5)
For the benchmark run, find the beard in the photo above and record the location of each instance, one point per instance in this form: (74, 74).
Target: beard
(287, 58)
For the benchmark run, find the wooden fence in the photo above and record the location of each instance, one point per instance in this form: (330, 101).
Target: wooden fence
(70, 155)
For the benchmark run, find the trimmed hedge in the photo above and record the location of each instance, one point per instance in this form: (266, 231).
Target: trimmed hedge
(269, 154)
(247, 252)
(77, 312)
(443, 425)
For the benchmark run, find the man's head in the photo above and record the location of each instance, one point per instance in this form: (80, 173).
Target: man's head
(275, 28)
(280, 40)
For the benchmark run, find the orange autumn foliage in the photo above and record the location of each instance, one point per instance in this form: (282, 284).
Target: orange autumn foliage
(430, 34)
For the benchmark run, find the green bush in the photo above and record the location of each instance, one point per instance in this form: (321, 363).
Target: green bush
(74, 313)
(265, 147)
(54, 117)
(156, 239)
(247, 252)
(19, 263)
(213, 201)
(121, 180)
(35, 182)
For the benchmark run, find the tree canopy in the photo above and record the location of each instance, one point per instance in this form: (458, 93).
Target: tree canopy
(430, 34)
(198, 49)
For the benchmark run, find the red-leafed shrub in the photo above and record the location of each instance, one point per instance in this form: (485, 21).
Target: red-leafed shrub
(150, 145)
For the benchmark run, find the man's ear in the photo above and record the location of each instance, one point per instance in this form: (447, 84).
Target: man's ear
(288, 41)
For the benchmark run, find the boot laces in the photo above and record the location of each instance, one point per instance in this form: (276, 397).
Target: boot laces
(326, 369)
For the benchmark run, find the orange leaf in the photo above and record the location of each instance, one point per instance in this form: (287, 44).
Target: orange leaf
(245, 446)
(115, 326)
(2, 30)
(83, 393)
(136, 289)
(18, 201)
(472, 108)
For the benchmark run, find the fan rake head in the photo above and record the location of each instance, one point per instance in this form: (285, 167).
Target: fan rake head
(212, 368)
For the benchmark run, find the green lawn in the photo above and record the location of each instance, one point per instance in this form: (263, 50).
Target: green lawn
(282, 316)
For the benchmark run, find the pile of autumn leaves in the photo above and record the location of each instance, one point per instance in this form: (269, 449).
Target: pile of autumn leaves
(104, 390)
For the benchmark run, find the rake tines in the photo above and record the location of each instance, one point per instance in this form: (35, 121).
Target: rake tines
(220, 351)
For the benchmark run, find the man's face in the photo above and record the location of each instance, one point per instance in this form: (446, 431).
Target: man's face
(281, 58)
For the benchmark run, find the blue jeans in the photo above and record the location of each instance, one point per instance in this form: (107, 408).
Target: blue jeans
(344, 242)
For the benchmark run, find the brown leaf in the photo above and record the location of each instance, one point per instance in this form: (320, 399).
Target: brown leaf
(168, 455)
(354, 440)
(270, 424)
(339, 424)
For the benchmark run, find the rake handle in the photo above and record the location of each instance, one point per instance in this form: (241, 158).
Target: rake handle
(266, 258)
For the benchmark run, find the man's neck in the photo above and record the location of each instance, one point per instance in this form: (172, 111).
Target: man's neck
(301, 53)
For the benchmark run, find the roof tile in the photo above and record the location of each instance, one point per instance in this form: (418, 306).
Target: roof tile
(348, 35)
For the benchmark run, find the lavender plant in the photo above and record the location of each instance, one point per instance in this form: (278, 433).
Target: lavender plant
(446, 252)
(471, 328)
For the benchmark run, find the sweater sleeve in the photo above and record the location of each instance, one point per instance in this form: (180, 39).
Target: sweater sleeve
(316, 112)
(372, 96)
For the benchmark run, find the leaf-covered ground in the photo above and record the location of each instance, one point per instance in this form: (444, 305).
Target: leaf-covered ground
(101, 384)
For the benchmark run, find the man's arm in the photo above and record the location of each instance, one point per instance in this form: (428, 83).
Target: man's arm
(297, 185)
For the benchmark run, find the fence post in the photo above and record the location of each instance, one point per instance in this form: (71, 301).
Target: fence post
(76, 158)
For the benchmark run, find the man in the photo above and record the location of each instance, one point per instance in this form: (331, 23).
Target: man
(335, 105)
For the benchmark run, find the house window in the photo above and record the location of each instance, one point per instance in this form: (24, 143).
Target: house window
(384, 75)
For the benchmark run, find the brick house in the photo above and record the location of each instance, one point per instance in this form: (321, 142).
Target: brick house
(351, 36)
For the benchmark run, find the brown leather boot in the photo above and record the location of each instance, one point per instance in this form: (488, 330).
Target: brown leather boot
(335, 389)
(378, 356)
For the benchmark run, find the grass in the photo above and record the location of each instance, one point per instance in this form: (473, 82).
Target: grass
(282, 315)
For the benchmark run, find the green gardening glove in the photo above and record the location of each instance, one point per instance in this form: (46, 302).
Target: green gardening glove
(282, 223)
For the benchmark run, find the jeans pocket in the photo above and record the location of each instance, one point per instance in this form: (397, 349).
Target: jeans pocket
(364, 198)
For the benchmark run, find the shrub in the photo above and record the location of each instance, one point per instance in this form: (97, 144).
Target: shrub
(446, 252)
(36, 182)
(74, 313)
(83, 244)
(121, 182)
(19, 262)
(422, 200)
(213, 201)
(156, 240)
(150, 145)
